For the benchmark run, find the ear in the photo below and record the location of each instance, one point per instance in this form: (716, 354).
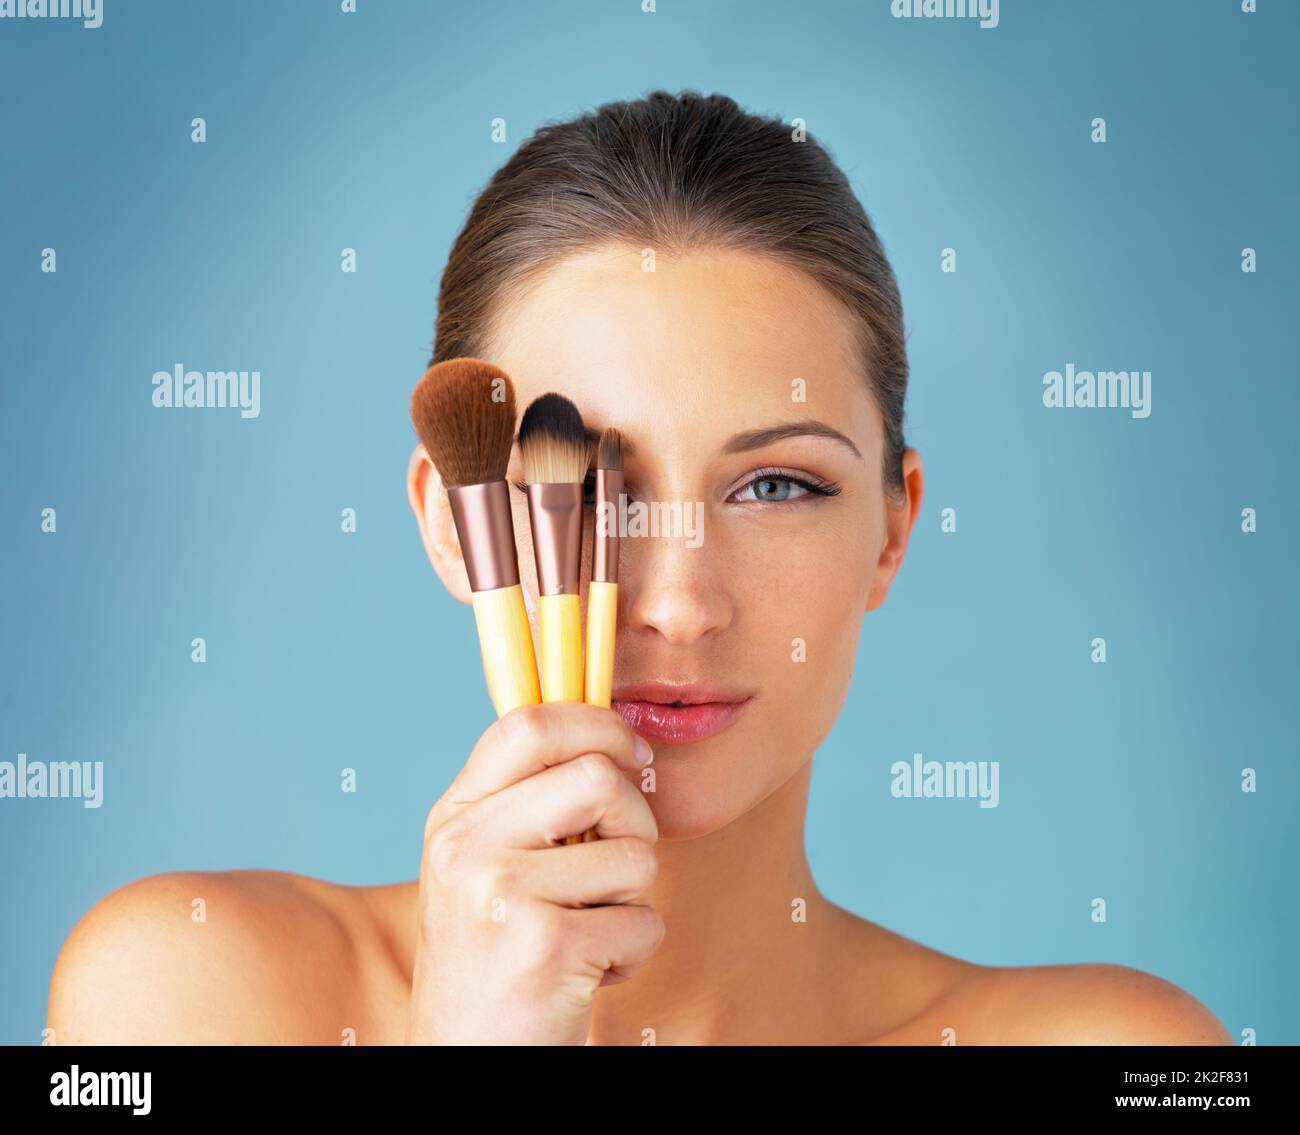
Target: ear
(899, 520)
(432, 510)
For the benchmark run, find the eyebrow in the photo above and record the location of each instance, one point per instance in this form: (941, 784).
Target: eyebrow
(809, 427)
(753, 439)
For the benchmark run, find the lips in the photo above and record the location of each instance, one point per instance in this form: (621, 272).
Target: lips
(678, 714)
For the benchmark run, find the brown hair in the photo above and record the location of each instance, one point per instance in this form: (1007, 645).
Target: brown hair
(675, 172)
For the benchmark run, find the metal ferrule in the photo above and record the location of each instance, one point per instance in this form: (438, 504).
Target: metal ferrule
(604, 556)
(487, 534)
(555, 516)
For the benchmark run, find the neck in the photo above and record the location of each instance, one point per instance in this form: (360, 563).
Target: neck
(743, 960)
(739, 958)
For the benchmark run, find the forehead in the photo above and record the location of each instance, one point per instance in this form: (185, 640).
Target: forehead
(708, 344)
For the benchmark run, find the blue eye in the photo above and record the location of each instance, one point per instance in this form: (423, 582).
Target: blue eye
(775, 489)
(776, 486)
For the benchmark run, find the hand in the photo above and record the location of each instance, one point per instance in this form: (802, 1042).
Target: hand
(516, 930)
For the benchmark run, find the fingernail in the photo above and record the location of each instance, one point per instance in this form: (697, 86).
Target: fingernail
(644, 754)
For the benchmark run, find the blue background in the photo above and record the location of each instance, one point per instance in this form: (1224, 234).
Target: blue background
(325, 650)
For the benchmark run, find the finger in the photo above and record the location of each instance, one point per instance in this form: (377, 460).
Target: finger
(590, 791)
(617, 939)
(601, 873)
(532, 738)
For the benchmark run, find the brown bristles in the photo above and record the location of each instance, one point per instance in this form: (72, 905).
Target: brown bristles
(464, 412)
(553, 442)
(609, 453)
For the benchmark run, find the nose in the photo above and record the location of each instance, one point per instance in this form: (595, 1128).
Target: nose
(678, 592)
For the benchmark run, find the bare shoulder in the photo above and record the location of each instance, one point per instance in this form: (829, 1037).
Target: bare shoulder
(1086, 1004)
(950, 1000)
(211, 957)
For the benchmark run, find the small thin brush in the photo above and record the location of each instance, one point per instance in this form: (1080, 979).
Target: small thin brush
(602, 591)
(464, 412)
(555, 451)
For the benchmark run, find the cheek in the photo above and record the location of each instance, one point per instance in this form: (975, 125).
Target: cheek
(804, 601)
(808, 588)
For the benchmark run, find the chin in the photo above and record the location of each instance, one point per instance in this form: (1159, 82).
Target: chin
(690, 819)
(701, 788)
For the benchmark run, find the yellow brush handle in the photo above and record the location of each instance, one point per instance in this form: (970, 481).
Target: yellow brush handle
(561, 644)
(506, 642)
(602, 620)
(602, 617)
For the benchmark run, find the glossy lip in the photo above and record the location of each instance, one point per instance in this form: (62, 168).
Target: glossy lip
(677, 714)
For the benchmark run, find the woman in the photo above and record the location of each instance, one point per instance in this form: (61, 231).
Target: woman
(706, 282)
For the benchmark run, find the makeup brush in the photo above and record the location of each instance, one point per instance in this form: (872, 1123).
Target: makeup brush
(555, 451)
(464, 412)
(553, 444)
(602, 592)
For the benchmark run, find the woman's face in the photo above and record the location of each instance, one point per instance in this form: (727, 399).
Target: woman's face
(734, 382)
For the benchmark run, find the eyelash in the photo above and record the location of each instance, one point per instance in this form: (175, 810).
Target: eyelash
(814, 485)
